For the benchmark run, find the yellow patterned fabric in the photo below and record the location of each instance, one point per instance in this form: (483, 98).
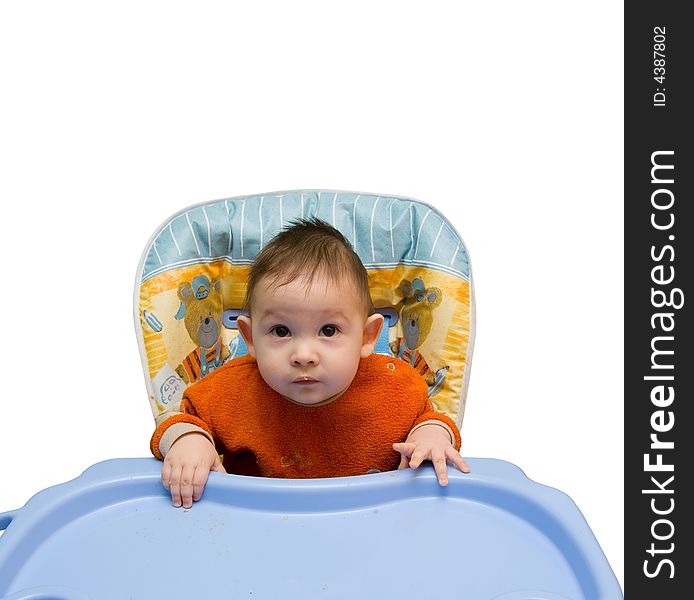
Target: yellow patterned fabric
(192, 281)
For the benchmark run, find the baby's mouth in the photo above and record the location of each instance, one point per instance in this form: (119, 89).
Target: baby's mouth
(305, 380)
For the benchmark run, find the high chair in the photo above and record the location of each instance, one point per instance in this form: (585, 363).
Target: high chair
(192, 282)
(491, 534)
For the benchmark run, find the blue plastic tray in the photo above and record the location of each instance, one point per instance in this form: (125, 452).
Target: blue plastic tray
(491, 534)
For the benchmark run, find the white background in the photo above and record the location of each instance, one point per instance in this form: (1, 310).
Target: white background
(506, 116)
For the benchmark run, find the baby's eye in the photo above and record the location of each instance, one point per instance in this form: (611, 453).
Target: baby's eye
(280, 331)
(329, 330)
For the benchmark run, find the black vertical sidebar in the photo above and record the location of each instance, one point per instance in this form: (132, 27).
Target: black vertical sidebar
(659, 359)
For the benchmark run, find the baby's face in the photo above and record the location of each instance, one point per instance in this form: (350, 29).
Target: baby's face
(308, 343)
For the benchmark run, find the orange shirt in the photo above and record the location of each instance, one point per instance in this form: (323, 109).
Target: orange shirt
(261, 433)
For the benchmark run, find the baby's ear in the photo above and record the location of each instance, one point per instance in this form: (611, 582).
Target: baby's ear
(244, 326)
(372, 329)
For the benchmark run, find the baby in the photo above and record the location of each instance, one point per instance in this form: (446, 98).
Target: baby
(310, 399)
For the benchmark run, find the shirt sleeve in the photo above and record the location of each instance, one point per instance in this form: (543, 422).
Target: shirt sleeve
(193, 417)
(428, 413)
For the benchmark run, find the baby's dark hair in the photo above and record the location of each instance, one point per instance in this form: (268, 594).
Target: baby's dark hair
(304, 248)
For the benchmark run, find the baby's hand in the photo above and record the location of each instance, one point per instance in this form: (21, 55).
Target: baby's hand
(430, 443)
(187, 466)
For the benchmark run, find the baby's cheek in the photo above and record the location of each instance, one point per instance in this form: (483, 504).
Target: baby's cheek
(346, 369)
(269, 367)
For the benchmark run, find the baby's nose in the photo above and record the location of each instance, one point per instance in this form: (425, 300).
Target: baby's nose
(304, 355)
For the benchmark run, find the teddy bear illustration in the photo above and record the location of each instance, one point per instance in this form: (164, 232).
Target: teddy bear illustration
(201, 310)
(417, 317)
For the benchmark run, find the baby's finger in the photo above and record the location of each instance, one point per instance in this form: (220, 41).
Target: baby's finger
(438, 457)
(454, 456)
(175, 485)
(404, 448)
(405, 451)
(218, 466)
(199, 481)
(418, 457)
(166, 475)
(187, 485)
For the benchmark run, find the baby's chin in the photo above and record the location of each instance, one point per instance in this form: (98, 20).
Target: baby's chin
(311, 400)
(305, 402)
